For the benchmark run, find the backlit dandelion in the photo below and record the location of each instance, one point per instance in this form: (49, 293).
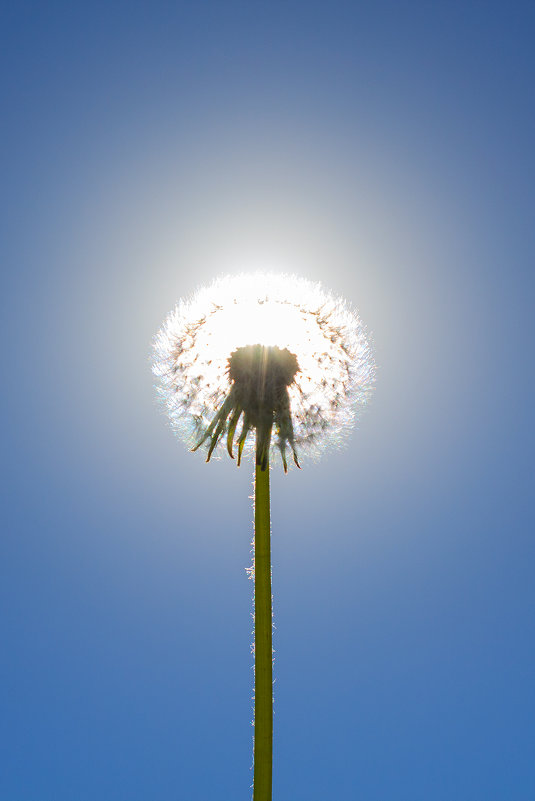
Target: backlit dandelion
(312, 364)
(272, 365)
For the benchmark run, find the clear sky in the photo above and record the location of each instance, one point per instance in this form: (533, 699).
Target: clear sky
(385, 149)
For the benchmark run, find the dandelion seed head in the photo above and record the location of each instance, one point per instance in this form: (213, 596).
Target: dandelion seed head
(328, 370)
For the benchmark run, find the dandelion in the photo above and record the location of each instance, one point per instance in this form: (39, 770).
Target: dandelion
(263, 364)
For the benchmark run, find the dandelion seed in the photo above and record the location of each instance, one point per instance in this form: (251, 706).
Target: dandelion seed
(255, 352)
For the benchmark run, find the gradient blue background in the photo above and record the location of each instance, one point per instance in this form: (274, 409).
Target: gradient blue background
(385, 149)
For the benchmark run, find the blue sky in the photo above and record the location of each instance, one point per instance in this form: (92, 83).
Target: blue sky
(386, 150)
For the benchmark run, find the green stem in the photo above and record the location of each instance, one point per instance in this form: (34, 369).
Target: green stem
(263, 705)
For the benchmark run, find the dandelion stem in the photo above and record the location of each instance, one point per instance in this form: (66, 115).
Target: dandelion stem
(263, 705)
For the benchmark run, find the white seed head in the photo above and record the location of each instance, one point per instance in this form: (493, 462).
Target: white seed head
(192, 353)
